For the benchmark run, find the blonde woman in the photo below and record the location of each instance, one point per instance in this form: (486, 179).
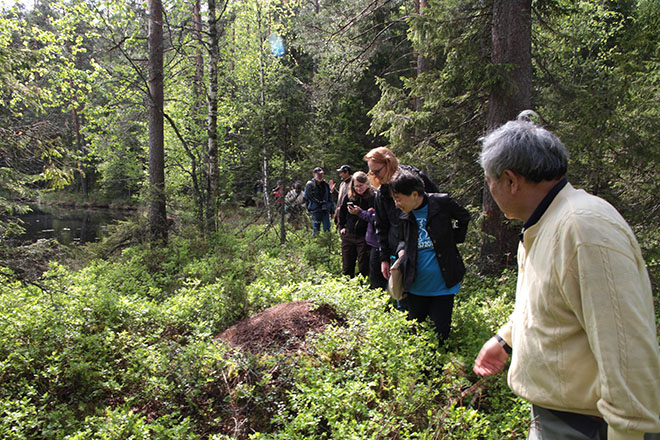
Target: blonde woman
(383, 164)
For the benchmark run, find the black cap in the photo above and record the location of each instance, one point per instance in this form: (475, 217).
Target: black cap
(318, 170)
(345, 168)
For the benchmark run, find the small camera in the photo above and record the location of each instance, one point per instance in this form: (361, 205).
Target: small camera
(350, 204)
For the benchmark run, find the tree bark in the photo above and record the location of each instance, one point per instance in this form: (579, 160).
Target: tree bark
(422, 63)
(198, 91)
(285, 188)
(511, 51)
(199, 58)
(157, 208)
(80, 146)
(512, 45)
(262, 103)
(212, 127)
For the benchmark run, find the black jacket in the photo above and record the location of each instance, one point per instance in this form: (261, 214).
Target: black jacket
(318, 197)
(354, 224)
(447, 225)
(387, 214)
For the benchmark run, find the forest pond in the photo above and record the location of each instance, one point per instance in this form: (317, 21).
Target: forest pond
(68, 225)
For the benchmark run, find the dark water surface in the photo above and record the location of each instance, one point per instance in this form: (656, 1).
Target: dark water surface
(68, 225)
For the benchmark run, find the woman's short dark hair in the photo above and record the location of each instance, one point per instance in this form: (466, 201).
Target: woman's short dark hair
(404, 182)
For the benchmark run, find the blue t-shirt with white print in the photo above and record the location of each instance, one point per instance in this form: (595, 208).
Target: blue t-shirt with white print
(429, 280)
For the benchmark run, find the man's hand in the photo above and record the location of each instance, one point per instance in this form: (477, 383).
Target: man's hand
(491, 358)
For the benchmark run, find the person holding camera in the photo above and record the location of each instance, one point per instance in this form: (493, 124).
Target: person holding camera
(320, 203)
(352, 228)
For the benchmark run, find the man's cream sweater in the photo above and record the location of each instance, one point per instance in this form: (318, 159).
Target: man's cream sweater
(583, 329)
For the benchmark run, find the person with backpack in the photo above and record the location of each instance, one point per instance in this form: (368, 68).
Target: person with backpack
(320, 203)
(294, 203)
(278, 193)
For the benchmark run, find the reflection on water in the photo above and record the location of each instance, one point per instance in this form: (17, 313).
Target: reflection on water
(68, 225)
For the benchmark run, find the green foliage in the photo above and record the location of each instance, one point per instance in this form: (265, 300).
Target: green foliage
(597, 98)
(438, 134)
(478, 295)
(122, 423)
(347, 66)
(31, 152)
(126, 348)
(362, 381)
(324, 251)
(86, 351)
(380, 375)
(649, 241)
(341, 47)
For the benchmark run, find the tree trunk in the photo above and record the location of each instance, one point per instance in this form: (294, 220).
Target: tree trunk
(157, 210)
(285, 187)
(198, 92)
(511, 38)
(262, 102)
(512, 45)
(199, 58)
(80, 145)
(212, 150)
(422, 63)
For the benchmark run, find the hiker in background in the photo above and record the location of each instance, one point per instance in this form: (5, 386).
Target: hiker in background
(340, 193)
(259, 193)
(319, 201)
(278, 193)
(582, 336)
(294, 203)
(430, 227)
(383, 164)
(352, 228)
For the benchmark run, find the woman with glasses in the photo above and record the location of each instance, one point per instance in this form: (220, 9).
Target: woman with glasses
(353, 228)
(383, 164)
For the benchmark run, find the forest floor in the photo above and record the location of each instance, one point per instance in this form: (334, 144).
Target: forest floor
(283, 327)
(29, 261)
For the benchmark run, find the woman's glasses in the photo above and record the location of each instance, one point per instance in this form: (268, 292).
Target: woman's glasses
(376, 172)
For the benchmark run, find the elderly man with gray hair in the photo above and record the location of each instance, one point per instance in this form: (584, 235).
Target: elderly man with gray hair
(582, 336)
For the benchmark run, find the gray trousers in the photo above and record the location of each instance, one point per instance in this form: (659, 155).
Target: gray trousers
(557, 425)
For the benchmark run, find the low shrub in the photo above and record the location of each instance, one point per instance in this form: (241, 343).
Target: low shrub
(126, 349)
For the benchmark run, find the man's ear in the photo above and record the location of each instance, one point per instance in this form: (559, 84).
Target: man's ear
(513, 180)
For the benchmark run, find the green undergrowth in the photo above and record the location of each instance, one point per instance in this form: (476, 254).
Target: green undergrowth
(126, 349)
